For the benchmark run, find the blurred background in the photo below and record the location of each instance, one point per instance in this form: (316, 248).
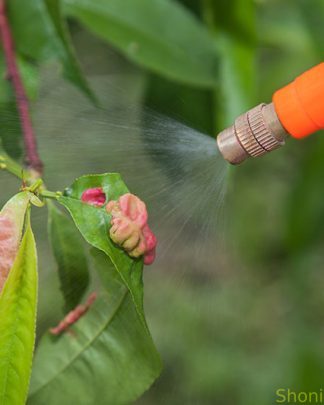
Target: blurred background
(235, 305)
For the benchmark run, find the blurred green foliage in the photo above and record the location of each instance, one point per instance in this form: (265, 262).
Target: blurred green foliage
(236, 331)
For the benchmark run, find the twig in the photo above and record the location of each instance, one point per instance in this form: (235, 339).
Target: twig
(32, 158)
(73, 316)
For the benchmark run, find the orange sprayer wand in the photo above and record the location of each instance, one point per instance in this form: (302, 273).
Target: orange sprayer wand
(297, 110)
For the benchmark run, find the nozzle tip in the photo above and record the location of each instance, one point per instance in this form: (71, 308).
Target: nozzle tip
(230, 148)
(254, 133)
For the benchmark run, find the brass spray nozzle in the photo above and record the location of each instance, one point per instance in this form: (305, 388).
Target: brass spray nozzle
(254, 133)
(297, 110)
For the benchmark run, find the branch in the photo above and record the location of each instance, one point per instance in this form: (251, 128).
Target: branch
(32, 158)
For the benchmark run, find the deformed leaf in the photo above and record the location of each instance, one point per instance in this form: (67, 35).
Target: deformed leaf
(94, 224)
(144, 30)
(68, 249)
(17, 324)
(107, 358)
(12, 218)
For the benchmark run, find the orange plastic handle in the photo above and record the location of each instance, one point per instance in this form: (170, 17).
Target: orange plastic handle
(300, 104)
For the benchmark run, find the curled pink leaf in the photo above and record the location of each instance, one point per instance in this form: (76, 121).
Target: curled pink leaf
(129, 228)
(133, 208)
(151, 243)
(94, 196)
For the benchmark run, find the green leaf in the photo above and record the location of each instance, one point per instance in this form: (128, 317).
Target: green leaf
(313, 17)
(17, 324)
(68, 249)
(237, 78)
(176, 100)
(161, 35)
(108, 358)
(69, 59)
(237, 45)
(33, 31)
(94, 224)
(304, 211)
(41, 34)
(10, 133)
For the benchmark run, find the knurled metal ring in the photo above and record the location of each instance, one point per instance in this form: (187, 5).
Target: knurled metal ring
(246, 137)
(260, 130)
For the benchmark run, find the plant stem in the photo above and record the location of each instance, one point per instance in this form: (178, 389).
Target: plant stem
(50, 194)
(6, 163)
(30, 182)
(32, 158)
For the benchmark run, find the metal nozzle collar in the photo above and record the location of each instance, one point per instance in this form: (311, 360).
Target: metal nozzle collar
(254, 133)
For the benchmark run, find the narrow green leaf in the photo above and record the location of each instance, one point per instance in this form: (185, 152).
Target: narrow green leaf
(10, 129)
(161, 35)
(33, 31)
(10, 125)
(238, 79)
(72, 69)
(313, 19)
(108, 358)
(232, 23)
(41, 34)
(237, 44)
(17, 324)
(94, 224)
(10, 134)
(304, 210)
(176, 100)
(68, 249)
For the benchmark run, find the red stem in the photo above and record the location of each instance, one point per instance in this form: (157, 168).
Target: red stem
(31, 154)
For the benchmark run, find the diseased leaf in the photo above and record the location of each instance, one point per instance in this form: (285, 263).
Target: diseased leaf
(107, 358)
(12, 218)
(16, 208)
(17, 323)
(161, 35)
(70, 256)
(94, 224)
(40, 33)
